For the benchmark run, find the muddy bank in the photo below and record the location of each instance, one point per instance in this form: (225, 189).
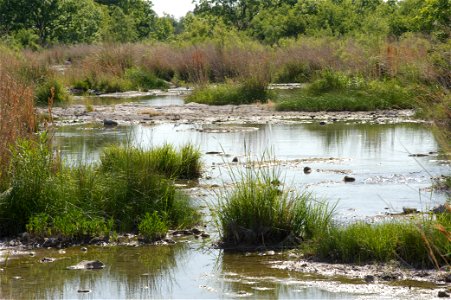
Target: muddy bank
(369, 273)
(133, 113)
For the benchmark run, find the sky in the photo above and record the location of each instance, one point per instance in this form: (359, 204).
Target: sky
(177, 8)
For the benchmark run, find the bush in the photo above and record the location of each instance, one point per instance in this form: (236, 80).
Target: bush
(248, 92)
(152, 227)
(51, 90)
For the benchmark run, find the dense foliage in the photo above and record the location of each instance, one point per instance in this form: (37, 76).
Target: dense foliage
(34, 23)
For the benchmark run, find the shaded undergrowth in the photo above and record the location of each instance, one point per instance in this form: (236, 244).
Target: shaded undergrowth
(130, 190)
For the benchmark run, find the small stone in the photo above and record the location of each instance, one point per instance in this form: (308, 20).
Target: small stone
(443, 294)
(62, 251)
(32, 254)
(322, 123)
(270, 253)
(47, 260)
(307, 170)
(88, 265)
(349, 179)
(196, 231)
(205, 235)
(369, 278)
(169, 241)
(84, 291)
(17, 277)
(235, 159)
(84, 249)
(109, 123)
(409, 210)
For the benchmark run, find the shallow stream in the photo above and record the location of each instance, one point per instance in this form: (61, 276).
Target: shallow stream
(377, 156)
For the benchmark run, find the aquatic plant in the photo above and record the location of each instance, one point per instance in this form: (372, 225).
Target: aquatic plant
(416, 243)
(250, 91)
(153, 227)
(257, 212)
(337, 92)
(48, 197)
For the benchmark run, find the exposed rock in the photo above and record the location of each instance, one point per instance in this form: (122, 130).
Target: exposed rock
(442, 208)
(322, 123)
(88, 265)
(213, 153)
(409, 210)
(84, 249)
(443, 294)
(369, 278)
(196, 231)
(307, 170)
(235, 159)
(205, 235)
(51, 242)
(418, 155)
(47, 260)
(348, 179)
(109, 123)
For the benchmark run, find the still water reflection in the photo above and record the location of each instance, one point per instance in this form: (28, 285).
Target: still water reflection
(387, 178)
(151, 272)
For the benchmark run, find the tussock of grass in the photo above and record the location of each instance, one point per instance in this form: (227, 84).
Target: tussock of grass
(257, 213)
(416, 244)
(248, 92)
(338, 92)
(131, 79)
(48, 198)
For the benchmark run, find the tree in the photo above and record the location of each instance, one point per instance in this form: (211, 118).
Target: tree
(79, 21)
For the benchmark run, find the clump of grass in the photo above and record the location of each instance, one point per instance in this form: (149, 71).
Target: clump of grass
(256, 213)
(51, 89)
(48, 198)
(338, 92)
(250, 91)
(165, 160)
(417, 244)
(143, 80)
(152, 227)
(130, 79)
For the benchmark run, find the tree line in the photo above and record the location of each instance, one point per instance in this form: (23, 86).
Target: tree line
(37, 23)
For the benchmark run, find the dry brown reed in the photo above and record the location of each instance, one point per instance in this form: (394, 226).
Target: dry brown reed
(17, 116)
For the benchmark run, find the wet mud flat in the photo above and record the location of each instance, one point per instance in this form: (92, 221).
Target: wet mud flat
(132, 113)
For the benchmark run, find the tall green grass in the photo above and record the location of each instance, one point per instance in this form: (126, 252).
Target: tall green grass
(46, 197)
(250, 91)
(335, 91)
(418, 244)
(258, 213)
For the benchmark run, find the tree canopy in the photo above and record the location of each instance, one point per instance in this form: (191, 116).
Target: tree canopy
(45, 22)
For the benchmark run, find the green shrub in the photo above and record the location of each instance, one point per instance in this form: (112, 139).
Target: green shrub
(248, 92)
(51, 89)
(152, 227)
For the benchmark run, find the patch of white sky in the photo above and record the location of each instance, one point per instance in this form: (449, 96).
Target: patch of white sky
(176, 8)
